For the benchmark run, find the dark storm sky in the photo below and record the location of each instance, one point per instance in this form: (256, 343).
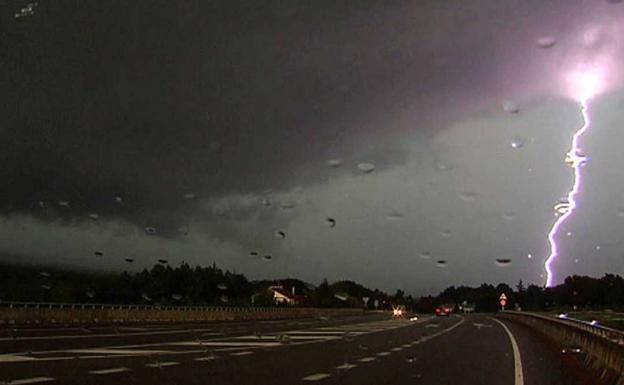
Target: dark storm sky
(194, 113)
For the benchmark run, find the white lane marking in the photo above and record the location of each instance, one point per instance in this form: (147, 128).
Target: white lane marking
(245, 353)
(336, 332)
(118, 351)
(209, 358)
(34, 380)
(396, 349)
(406, 345)
(518, 375)
(367, 359)
(346, 366)
(109, 371)
(14, 358)
(316, 377)
(162, 364)
(224, 343)
(383, 354)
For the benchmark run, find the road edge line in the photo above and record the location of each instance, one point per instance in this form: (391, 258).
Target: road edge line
(518, 374)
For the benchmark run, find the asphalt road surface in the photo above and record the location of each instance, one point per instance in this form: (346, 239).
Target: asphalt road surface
(470, 350)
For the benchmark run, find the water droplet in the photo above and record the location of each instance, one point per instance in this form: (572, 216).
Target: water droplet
(150, 230)
(446, 233)
(287, 204)
(425, 255)
(362, 347)
(98, 253)
(189, 196)
(576, 260)
(444, 166)
(503, 262)
(254, 253)
(510, 107)
(569, 233)
(546, 41)
(280, 235)
(46, 287)
(266, 202)
(620, 212)
(331, 222)
(517, 143)
(441, 263)
(267, 257)
(44, 274)
(94, 216)
(341, 296)
(146, 297)
(334, 163)
(163, 261)
(366, 167)
(468, 196)
(118, 199)
(42, 204)
(176, 297)
(63, 203)
(529, 255)
(224, 298)
(597, 247)
(90, 294)
(394, 216)
(222, 286)
(129, 260)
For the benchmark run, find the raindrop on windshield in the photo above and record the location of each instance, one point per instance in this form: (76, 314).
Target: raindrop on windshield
(503, 262)
(129, 260)
(90, 294)
(394, 216)
(331, 222)
(150, 230)
(441, 263)
(468, 196)
(254, 253)
(517, 143)
(266, 202)
(46, 287)
(546, 41)
(280, 235)
(446, 233)
(620, 212)
(341, 296)
(222, 286)
(94, 216)
(597, 247)
(287, 204)
(98, 253)
(42, 204)
(444, 166)
(224, 298)
(529, 255)
(509, 215)
(334, 163)
(189, 196)
(176, 297)
(44, 274)
(146, 297)
(425, 255)
(366, 167)
(267, 257)
(511, 107)
(63, 203)
(163, 261)
(118, 199)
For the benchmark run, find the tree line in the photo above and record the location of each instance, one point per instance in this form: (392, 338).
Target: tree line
(185, 285)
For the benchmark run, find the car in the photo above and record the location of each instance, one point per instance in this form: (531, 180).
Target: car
(442, 312)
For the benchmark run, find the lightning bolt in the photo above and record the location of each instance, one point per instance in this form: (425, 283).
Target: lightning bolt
(565, 209)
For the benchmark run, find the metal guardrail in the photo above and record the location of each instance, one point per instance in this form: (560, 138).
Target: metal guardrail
(613, 335)
(103, 306)
(603, 347)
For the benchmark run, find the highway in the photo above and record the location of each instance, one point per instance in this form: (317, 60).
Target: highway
(461, 349)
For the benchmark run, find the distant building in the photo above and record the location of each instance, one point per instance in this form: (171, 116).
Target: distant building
(283, 296)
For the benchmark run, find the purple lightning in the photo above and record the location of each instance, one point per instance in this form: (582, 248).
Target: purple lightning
(587, 85)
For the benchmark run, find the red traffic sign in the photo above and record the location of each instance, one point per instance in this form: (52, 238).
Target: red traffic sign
(503, 297)
(503, 302)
